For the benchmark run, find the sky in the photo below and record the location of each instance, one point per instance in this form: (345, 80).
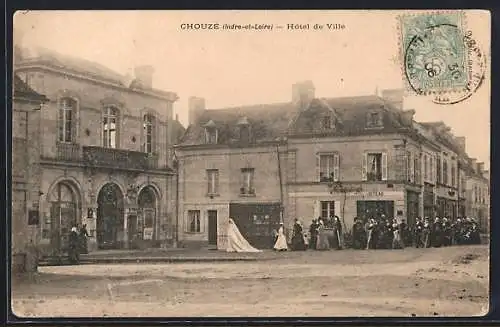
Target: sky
(231, 68)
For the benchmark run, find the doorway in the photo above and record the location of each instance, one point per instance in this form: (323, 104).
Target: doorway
(212, 227)
(110, 217)
(63, 216)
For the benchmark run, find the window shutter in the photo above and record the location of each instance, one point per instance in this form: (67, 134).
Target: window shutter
(363, 166)
(384, 166)
(316, 177)
(412, 169)
(336, 167)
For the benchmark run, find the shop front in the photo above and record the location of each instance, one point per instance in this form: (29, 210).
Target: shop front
(256, 222)
(376, 209)
(428, 200)
(446, 208)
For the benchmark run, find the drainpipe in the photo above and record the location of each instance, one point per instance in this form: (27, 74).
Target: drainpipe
(280, 181)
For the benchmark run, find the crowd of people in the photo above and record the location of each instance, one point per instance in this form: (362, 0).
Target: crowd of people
(382, 233)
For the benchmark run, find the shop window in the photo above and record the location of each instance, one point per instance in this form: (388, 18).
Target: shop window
(247, 182)
(328, 167)
(213, 181)
(194, 221)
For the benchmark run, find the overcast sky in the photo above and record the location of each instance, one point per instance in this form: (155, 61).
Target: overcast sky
(230, 68)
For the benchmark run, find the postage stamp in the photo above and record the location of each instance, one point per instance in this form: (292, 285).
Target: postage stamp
(439, 56)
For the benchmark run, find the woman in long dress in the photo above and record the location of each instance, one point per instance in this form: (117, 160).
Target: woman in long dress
(323, 243)
(281, 244)
(298, 243)
(235, 241)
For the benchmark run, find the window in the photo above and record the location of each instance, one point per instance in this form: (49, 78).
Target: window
(374, 120)
(431, 170)
(67, 108)
(409, 167)
(328, 167)
(211, 135)
(194, 221)
(213, 181)
(453, 176)
(110, 127)
(438, 171)
(374, 166)
(445, 172)
(149, 133)
(327, 209)
(416, 170)
(247, 187)
(426, 167)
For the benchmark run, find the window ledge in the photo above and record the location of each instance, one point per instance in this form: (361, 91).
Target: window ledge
(244, 195)
(193, 232)
(212, 195)
(374, 127)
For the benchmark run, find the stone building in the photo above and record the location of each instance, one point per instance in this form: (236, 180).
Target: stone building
(478, 194)
(105, 153)
(26, 107)
(310, 157)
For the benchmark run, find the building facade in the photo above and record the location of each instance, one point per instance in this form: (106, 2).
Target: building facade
(311, 157)
(105, 153)
(26, 106)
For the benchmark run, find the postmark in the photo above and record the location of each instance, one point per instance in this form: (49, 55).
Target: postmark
(439, 58)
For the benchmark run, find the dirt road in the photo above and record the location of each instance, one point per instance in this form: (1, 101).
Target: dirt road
(412, 282)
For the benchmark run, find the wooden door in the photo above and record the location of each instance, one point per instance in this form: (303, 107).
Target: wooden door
(212, 227)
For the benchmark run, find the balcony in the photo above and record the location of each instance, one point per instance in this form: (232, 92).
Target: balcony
(68, 152)
(118, 158)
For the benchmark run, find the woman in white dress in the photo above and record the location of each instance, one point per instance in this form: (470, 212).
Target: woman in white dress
(281, 244)
(235, 241)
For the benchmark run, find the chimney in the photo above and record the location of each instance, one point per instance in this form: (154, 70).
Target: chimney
(196, 106)
(480, 167)
(395, 97)
(303, 93)
(473, 162)
(407, 117)
(144, 75)
(461, 142)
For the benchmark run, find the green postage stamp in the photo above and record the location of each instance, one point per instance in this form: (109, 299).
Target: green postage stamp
(439, 56)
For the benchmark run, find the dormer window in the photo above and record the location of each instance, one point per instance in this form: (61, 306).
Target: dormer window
(328, 122)
(244, 129)
(211, 133)
(374, 119)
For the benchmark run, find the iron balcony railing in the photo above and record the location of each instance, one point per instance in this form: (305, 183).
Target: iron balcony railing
(118, 158)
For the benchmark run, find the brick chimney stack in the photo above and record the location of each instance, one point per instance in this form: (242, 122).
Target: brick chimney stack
(196, 106)
(303, 93)
(144, 75)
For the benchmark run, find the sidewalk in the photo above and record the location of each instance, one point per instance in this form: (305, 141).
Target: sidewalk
(163, 255)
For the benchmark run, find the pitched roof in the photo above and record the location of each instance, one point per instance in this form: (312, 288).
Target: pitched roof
(267, 122)
(350, 114)
(70, 63)
(23, 90)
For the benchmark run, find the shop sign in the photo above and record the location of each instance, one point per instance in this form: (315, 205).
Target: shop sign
(373, 194)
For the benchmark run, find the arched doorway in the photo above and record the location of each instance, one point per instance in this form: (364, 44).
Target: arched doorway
(110, 217)
(147, 213)
(63, 213)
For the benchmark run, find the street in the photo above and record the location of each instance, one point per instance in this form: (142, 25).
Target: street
(452, 281)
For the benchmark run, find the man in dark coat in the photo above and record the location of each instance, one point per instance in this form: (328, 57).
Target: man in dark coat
(338, 232)
(418, 232)
(74, 246)
(313, 232)
(83, 239)
(437, 233)
(358, 235)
